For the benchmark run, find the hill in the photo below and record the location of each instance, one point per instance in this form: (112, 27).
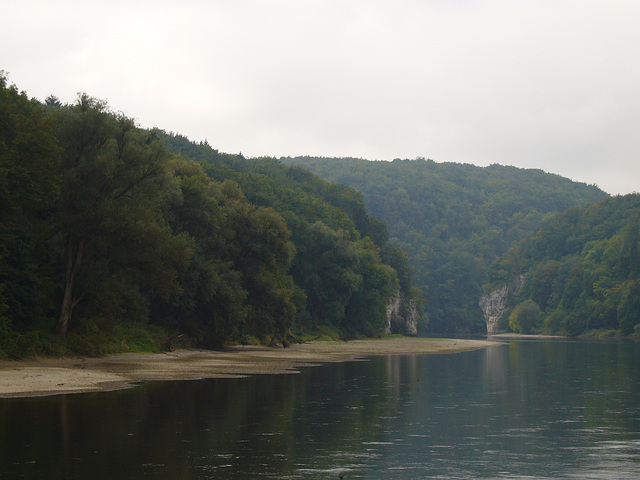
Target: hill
(453, 220)
(344, 262)
(116, 238)
(580, 271)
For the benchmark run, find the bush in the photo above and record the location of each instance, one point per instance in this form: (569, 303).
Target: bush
(553, 323)
(526, 317)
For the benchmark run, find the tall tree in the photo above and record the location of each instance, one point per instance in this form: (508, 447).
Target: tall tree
(236, 284)
(114, 178)
(29, 183)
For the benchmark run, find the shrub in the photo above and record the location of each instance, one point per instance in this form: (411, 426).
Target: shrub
(526, 317)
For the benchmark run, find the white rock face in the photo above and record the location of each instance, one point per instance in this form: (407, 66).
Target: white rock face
(399, 321)
(495, 303)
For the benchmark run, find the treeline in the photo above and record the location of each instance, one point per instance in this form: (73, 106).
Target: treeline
(454, 221)
(111, 235)
(581, 272)
(343, 253)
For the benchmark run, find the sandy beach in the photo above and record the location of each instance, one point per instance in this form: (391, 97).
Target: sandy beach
(50, 376)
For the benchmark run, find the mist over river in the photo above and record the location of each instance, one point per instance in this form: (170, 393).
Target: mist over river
(534, 409)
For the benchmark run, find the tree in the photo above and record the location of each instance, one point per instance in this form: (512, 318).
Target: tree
(327, 221)
(210, 305)
(52, 101)
(236, 284)
(327, 268)
(629, 307)
(114, 178)
(453, 221)
(366, 310)
(526, 317)
(29, 184)
(581, 267)
(263, 255)
(629, 262)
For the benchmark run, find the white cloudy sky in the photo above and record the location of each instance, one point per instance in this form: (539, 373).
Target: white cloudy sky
(550, 84)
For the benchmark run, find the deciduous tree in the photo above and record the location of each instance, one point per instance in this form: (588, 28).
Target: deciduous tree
(114, 178)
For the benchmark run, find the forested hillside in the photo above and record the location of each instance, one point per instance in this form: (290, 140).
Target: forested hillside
(453, 220)
(582, 271)
(343, 254)
(110, 240)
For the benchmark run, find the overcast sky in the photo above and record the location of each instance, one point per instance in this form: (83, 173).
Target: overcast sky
(542, 84)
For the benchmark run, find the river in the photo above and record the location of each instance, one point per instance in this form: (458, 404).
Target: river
(527, 409)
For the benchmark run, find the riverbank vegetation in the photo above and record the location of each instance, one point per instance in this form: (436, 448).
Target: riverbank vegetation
(453, 221)
(115, 238)
(581, 272)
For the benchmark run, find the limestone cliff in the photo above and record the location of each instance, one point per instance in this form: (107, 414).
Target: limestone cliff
(496, 303)
(402, 315)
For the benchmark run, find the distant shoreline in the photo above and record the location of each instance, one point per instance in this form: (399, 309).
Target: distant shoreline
(52, 376)
(524, 335)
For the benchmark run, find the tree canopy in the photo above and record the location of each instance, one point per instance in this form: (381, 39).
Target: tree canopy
(582, 269)
(453, 221)
(115, 237)
(345, 269)
(110, 233)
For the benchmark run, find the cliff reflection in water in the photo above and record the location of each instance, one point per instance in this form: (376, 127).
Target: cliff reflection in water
(494, 368)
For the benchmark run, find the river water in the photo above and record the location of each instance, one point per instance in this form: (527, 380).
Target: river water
(528, 409)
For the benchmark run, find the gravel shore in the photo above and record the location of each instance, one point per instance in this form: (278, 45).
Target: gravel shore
(50, 376)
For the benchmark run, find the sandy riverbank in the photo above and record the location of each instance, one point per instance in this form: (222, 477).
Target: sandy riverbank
(49, 376)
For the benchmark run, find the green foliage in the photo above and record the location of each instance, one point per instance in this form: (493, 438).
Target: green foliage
(326, 267)
(454, 221)
(628, 309)
(366, 311)
(582, 268)
(118, 250)
(134, 239)
(553, 323)
(93, 339)
(29, 184)
(338, 274)
(526, 317)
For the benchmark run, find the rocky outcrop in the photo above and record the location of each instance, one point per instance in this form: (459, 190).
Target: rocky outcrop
(496, 303)
(402, 315)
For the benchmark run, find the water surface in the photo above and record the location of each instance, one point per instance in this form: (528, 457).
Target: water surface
(526, 410)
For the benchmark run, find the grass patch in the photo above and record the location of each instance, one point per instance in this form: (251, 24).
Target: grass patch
(601, 334)
(322, 333)
(90, 338)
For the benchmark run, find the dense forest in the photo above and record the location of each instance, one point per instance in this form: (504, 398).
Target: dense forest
(581, 272)
(453, 221)
(113, 237)
(116, 238)
(342, 255)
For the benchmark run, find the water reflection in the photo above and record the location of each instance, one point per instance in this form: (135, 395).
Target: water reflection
(528, 409)
(494, 369)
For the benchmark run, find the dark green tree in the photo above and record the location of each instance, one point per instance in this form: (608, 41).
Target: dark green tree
(366, 311)
(236, 284)
(328, 223)
(629, 308)
(116, 244)
(29, 184)
(526, 317)
(327, 268)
